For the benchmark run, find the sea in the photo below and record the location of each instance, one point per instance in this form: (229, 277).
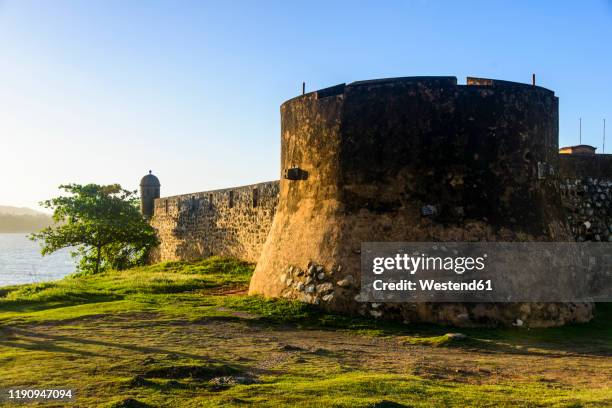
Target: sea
(21, 261)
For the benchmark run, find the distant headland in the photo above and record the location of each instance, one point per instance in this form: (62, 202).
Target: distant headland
(21, 219)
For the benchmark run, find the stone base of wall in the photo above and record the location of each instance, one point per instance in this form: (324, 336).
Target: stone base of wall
(331, 288)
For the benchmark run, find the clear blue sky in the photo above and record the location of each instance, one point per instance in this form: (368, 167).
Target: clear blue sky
(103, 91)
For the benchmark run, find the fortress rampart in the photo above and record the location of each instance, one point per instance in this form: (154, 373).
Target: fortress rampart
(402, 159)
(597, 166)
(231, 222)
(412, 159)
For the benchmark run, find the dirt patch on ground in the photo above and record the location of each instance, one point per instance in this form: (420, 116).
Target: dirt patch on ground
(270, 349)
(228, 290)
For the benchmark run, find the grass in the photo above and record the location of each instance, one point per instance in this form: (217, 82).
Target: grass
(157, 335)
(358, 389)
(436, 341)
(168, 287)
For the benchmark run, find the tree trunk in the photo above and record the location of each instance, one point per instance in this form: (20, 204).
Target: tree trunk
(98, 258)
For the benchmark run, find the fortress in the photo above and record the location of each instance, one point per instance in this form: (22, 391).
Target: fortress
(401, 159)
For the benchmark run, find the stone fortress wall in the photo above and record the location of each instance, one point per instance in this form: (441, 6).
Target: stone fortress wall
(417, 159)
(193, 226)
(585, 183)
(402, 159)
(190, 228)
(231, 222)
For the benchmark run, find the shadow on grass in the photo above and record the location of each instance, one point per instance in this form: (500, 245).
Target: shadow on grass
(45, 345)
(593, 338)
(49, 344)
(55, 302)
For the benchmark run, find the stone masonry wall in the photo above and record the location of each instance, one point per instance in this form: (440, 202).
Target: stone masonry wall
(586, 192)
(577, 166)
(416, 159)
(402, 159)
(231, 222)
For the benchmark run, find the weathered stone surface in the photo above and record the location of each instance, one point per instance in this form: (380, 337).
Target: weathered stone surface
(346, 282)
(578, 166)
(232, 222)
(588, 202)
(325, 287)
(481, 159)
(312, 270)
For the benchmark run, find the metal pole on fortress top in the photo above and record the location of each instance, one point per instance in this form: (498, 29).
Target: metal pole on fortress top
(603, 148)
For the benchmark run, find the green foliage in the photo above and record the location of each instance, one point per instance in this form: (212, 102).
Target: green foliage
(102, 224)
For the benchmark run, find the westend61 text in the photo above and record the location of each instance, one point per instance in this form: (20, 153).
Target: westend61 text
(430, 284)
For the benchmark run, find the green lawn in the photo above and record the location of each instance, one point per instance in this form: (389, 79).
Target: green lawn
(185, 334)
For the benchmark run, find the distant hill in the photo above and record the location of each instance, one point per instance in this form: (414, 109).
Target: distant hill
(7, 209)
(21, 219)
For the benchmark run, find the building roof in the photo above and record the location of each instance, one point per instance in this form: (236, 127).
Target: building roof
(149, 181)
(578, 150)
(577, 146)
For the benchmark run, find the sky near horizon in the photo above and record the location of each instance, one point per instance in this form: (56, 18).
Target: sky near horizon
(103, 91)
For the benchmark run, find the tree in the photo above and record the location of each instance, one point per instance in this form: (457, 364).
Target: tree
(102, 223)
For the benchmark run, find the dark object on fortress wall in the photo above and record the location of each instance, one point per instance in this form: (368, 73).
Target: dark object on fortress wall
(413, 159)
(295, 173)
